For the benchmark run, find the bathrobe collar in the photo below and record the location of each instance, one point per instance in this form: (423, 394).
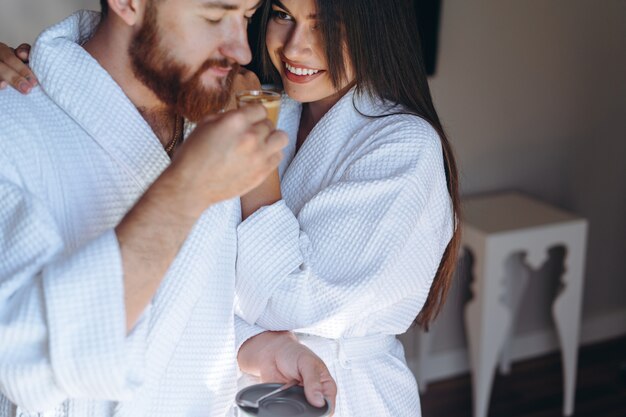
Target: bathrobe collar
(331, 138)
(77, 83)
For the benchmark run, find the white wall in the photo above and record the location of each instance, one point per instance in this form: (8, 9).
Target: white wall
(533, 96)
(22, 20)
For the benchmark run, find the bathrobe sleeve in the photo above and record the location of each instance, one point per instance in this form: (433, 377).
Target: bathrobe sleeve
(245, 331)
(369, 240)
(62, 317)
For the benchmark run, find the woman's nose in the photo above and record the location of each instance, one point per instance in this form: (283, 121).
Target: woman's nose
(298, 43)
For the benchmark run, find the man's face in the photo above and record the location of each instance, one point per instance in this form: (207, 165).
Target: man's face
(188, 51)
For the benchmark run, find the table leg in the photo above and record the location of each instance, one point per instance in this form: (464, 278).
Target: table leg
(566, 312)
(519, 273)
(487, 319)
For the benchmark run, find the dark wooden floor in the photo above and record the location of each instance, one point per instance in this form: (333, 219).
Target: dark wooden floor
(534, 387)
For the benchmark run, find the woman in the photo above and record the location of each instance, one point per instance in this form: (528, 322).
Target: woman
(357, 233)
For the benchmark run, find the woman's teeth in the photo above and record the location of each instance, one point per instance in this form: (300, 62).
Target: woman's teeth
(300, 71)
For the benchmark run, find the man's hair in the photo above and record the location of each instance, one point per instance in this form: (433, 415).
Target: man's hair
(104, 5)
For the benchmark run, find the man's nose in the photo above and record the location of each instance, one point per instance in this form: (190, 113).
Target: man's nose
(235, 45)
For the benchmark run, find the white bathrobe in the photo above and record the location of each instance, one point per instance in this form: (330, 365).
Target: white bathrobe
(348, 256)
(75, 155)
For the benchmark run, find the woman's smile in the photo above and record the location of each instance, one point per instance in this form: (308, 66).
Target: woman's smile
(300, 74)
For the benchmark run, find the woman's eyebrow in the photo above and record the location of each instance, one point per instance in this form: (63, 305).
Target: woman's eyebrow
(282, 6)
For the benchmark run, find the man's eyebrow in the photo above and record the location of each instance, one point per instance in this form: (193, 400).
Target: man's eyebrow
(282, 6)
(256, 6)
(211, 4)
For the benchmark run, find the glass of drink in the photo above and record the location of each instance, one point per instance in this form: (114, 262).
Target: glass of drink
(269, 99)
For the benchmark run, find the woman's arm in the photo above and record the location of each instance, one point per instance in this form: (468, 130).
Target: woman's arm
(268, 192)
(264, 195)
(371, 239)
(14, 70)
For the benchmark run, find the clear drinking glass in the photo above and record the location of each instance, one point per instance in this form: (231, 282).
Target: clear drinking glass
(269, 99)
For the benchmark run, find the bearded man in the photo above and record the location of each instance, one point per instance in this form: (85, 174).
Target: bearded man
(117, 272)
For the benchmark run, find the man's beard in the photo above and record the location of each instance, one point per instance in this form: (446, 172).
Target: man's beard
(164, 75)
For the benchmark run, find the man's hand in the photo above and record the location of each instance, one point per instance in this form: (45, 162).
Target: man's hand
(279, 357)
(226, 156)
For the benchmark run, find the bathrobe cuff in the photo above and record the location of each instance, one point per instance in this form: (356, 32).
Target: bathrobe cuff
(90, 352)
(268, 251)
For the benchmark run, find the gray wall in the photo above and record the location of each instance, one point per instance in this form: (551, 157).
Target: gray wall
(533, 96)
(22, 20)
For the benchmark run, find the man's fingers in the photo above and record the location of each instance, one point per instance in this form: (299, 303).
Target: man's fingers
(253, 113)
(263, 129)
(277, 141)
(209, 118)
(239, 120)
(274, 160)
(230, 121)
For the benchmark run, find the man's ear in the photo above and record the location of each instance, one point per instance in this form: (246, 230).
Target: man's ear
(130, 11)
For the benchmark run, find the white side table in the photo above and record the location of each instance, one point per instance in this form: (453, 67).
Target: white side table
(495, 227)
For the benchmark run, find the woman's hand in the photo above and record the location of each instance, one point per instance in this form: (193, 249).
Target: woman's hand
(14, 70)
(244, 80)
(279, 357)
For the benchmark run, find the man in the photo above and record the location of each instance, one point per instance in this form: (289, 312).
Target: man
(117, 266)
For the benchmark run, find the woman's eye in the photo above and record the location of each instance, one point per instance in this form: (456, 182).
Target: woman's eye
(280, 15)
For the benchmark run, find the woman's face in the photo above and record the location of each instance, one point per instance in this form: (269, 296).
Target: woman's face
(296, 49)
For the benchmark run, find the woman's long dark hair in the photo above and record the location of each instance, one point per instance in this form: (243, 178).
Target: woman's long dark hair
(382, 42)
(104, 7)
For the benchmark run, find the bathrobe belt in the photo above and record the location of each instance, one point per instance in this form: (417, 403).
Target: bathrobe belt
(350, 349)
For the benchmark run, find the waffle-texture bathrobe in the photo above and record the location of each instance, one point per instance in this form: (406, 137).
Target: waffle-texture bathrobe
(348, 256)
(75, 155)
